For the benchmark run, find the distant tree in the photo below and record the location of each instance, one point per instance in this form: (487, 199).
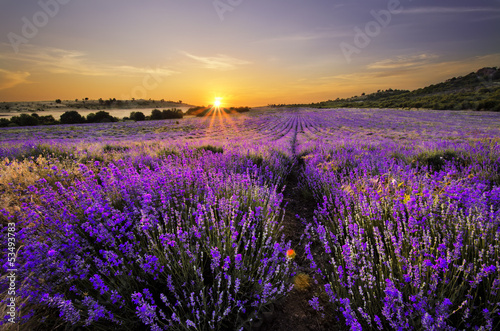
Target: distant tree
(243, 109)
(86, 99)
(4, 122)
(25, 120)
(156, 114)
(72, 117)
(104, 116)
(100, 117)
(137, 116)
(58, 101)
(91, 118)
(47, 120)
(172, 113)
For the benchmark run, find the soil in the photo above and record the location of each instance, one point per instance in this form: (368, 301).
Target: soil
(294, 313)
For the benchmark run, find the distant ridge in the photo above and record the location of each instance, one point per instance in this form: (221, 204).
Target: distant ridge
(478, 90)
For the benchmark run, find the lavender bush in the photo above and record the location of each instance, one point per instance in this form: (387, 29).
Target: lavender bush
(409, 242)
(177, 242)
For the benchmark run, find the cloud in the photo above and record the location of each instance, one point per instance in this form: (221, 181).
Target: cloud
(61, 61)
(450, 10)
(219, 62)
(387, 75)
(308, 36)
(130, 70)
(403, 62)
(10, 79)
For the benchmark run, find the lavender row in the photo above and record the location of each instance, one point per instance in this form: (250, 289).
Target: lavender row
(185, 240)
(407, 238)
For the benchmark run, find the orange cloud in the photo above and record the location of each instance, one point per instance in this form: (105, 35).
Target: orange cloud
(9, 79)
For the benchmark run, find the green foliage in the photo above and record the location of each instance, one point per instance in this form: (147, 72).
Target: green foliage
(47, 120)
(48, 151)
(196, 111)
(211, 148)
(4, 122)
(256, 159)
(114, 148)
(240, 109)
(166, 152)
(137, 116)
(25, 120)
(156, 114)
(72, 117)
(173, 113)
(100, 117)
(436, 160)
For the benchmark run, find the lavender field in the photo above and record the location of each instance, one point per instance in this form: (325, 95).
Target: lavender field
(178, 225)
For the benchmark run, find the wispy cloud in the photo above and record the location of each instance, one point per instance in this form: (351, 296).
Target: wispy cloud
(130, 70)
(403, 61)
(450, 10)
(308, 36)
(219, 62)
(61, 61)
(383, 76)
(10, 79)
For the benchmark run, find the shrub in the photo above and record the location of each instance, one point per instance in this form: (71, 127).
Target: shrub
(174, 113)
(100, 117)
(114, 148)
(4, 122)
(72, 117)
(137, 116)
(25, 120)
(213, 149)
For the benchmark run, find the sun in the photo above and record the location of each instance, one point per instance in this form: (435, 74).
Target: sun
(217, 102)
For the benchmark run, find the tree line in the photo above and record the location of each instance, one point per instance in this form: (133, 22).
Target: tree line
(74, 117)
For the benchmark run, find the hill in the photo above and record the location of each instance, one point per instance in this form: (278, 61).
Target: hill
(476, 91)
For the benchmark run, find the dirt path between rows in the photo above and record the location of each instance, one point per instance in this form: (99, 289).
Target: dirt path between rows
(294, 313)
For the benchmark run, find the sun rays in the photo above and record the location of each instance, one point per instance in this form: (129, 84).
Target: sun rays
(221, 123)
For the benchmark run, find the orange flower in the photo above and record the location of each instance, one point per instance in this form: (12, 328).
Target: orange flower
(290, 254)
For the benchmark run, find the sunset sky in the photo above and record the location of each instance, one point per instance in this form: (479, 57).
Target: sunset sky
(248, 52)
